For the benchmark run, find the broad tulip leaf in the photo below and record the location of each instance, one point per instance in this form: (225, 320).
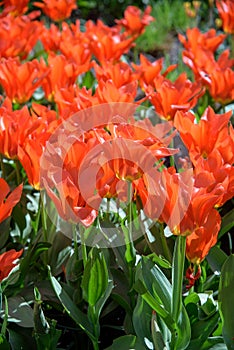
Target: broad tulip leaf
(21, 338)
(76, 314)
(129, 342)
(216, 259)
(227, 223)
(158, 339)
(214, 343)
(141, 318)
(226, 305)
(100, 303)
(183, 332)
(157, 283)
(19, 312)
(95, 277)
(4, 345)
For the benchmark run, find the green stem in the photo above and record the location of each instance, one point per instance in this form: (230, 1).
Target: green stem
(18, 170)
(130, 210)
(44, 227)
(11, 176)
(166, 250)
(232, 45)
(130, 254)
(38, 216)
(108, 209)
(172, 160)
(95, 322)
(4, 324)
(83, 245)
(95, 345)
(177, 276)
(2, 167)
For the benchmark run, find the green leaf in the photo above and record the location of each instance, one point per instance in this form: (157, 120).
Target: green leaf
(147, 287)
(183, 331)
(125, 343)
(41, 326)
(201, 330)
(141, 318)
(4, 345)
(216, 259)
(49, 340)
(59, 253)
(157, 292)
(214, 343)
(101, 302)
(155, 304)
(32, 255)
(157, 283)
(21, 338)
(76, 314)
(95, 277)
(227, 223)
(130, 254)
(191, 298)
(158, 340)
(226, 305)
(4, 232)
(204, 317)
(161, 261)
(208, 305)
(120, 292)
(88, 80)
(20, 312)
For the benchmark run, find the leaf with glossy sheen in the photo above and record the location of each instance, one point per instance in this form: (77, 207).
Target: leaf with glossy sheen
(227, 223)
(141, 318)
(19, 312)
(95, 277)
(214, 343)
(157, 283)
(158, 339)
(216, 259)
(76, 314)
(127, 342)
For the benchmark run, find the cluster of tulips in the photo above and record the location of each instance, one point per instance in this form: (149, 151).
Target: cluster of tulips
(69, 96)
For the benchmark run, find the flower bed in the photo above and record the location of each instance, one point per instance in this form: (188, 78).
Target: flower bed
(117, 180)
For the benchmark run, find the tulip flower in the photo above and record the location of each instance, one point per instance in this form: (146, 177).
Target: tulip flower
(20, 80)
(107, 44)
(135, 21)
(208, 41)
(119, 73)
(18, 35)
(62, 74)
(147, 71)
(8, 201)
(57, 10)
(16, 7)
(32, 147)
(203, 238)
(8, 261)
(226, 12)
(168, 97)
(14, 126)
(212, 132)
